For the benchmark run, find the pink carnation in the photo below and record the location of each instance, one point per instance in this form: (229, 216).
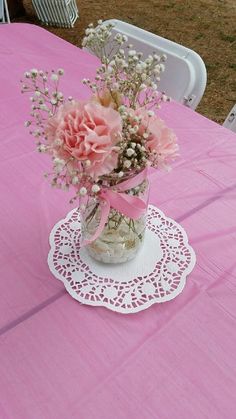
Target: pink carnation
(86, 131)
(161, 140)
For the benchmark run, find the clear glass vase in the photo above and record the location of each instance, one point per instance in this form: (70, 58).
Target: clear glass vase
(121, 237)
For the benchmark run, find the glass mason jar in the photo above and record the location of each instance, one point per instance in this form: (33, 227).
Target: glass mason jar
(121, 237)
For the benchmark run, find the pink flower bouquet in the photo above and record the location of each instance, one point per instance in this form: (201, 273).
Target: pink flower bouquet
(103, 147)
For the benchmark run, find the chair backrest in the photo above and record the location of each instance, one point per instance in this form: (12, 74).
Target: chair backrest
(4, 14)
(61, 13)
(230, 121)
(184, 78)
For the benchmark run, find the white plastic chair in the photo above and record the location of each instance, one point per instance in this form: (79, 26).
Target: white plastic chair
(184, 78)
(230, 121)
(4, 14)
(61, 13)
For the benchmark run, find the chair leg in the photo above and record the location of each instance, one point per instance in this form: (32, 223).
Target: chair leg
(6, 12)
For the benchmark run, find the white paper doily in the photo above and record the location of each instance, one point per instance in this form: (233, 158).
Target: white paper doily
(157, 274)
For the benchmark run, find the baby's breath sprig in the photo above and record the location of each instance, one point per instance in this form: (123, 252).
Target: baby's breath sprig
(124, 73)
(45, 99)
(98, 41)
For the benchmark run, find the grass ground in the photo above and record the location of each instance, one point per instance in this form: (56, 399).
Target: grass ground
(206, 26)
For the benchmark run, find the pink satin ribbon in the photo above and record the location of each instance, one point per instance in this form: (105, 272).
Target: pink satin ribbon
(129, 205)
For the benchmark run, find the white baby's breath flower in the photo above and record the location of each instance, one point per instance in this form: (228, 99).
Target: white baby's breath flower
(127, 164)
(139, 68)
(58, 142)
(84, 41)
(75, 180)
(87, 163)
(54, 77)
(142, 86)
(58, 161)
(156, 72)
(43, 107)
(143, 65)
(150, 113)
(90, 37)
(121, 62)
(109, 69)
(122, 108)
(156, 57)
(36, 133)
(148, 61)
(34, 72)
(118, 37)
(60, 95)
(145, 135)
(42, 148)
(83, 191)
(60, 71)
(132, 53)
(130, 152)
(162, 67)
(95, 188)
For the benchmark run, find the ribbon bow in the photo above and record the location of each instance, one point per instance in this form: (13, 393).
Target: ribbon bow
(129, 205)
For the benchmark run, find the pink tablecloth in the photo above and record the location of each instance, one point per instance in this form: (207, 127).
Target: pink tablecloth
(63, 360)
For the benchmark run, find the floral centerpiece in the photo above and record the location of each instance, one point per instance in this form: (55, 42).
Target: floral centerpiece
(103, 147)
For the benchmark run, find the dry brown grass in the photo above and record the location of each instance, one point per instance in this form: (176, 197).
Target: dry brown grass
(206, 26)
